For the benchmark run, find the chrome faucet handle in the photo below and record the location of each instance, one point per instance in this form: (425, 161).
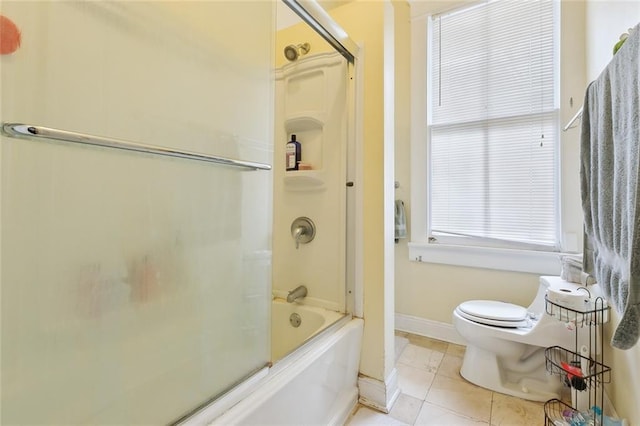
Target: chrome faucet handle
(303, 230)
(297, 234)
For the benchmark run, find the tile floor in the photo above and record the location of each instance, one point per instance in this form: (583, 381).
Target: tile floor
(434, 393)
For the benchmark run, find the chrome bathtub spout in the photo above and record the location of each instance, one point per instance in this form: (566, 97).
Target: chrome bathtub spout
(297, 293)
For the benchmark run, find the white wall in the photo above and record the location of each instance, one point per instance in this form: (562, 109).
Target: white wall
(605, 21)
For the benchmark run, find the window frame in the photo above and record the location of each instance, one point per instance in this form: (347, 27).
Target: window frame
(503, 256)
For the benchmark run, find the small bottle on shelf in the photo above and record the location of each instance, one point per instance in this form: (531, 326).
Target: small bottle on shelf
(293, 154)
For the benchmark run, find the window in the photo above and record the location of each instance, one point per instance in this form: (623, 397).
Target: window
(493, 126)
(535, 247)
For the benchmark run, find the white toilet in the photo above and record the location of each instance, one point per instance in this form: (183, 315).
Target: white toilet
(506, 343)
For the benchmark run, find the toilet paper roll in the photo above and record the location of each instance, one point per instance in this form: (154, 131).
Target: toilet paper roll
(571, 298)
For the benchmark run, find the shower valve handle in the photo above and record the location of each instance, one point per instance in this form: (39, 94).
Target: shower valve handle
(303, 230)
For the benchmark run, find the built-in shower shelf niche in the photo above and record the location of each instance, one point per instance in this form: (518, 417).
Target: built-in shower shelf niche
(309, 130)
(304, 180)
(305, 121)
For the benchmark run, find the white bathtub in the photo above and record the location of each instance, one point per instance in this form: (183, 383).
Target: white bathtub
(313, 385)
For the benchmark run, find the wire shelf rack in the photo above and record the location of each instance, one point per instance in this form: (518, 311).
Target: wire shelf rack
(560, 361)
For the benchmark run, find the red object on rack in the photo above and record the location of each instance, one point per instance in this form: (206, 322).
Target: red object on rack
(575, 376)
(571, 370)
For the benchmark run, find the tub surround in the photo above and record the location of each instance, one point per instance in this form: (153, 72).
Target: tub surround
(311, 103)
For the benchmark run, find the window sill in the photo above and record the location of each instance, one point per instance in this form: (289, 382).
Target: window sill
(534, 262)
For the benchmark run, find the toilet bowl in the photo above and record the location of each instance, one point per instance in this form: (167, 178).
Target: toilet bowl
(506, 343)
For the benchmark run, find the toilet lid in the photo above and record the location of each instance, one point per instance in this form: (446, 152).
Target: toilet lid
(493, 312)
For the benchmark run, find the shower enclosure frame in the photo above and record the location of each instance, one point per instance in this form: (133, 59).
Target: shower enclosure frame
(317, 18)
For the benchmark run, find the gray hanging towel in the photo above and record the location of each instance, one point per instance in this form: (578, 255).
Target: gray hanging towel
(401, 221)
(610, 145)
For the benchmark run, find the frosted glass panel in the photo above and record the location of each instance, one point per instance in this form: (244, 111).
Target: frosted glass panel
(134, 287)
(120, 289)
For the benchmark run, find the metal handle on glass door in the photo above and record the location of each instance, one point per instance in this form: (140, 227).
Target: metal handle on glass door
(31, 131)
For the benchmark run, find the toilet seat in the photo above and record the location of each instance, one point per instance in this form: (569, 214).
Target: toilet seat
(493, 312)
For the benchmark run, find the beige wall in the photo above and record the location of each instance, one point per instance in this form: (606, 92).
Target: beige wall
(379, 27)
(605, 21)
(432, 291)
(368, 33)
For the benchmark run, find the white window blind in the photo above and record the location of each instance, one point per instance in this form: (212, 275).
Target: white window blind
(493, 126)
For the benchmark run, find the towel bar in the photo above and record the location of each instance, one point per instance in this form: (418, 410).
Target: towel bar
(573, 120)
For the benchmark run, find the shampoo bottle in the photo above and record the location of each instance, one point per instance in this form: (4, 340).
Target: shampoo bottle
(293, 154)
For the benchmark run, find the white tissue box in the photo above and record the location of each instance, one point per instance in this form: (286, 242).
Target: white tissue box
(575, 305)
(573, 298)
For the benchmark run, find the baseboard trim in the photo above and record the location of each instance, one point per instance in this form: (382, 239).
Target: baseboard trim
(377, 394)
(428, 328)
(608, 408)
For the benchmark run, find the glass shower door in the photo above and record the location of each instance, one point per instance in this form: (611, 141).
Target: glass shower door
(134, 287)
